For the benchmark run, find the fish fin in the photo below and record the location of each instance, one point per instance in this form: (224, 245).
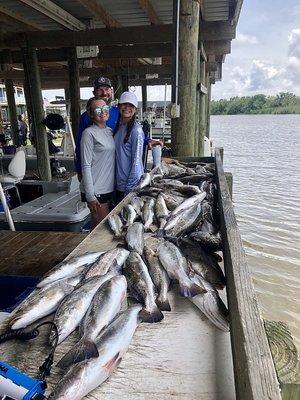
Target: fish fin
(173, 240)
(163, 305)
(83, 350)
(113, 362)
(154, 316)
(217, 257)
(152, 228)
(191, 290)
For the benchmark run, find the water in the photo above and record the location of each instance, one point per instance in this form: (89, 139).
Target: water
(263, 153)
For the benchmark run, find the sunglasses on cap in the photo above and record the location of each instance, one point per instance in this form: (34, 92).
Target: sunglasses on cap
(101, 109)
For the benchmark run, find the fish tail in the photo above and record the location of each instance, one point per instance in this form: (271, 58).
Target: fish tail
(159, 232)
(83, 350)
(155, 315)
(163, 304)
(190, 290)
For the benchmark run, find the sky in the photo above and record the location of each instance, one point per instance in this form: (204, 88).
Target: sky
(265, 56)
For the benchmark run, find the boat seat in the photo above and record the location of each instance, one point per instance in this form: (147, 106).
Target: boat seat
(16, 169)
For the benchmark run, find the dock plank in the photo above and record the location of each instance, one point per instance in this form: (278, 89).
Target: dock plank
(34, 253)
(184, 357)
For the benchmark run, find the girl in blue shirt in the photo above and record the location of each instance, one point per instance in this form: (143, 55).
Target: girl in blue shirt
(129, 141)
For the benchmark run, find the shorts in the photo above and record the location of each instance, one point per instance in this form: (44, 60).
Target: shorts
(119, 196)
(102, 198)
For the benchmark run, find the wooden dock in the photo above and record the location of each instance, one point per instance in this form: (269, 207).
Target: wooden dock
(34, 253)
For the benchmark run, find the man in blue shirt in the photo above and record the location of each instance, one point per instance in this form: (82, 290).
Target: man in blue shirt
(102, 90)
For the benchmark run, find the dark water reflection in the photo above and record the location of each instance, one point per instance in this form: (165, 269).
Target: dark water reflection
(263, 153)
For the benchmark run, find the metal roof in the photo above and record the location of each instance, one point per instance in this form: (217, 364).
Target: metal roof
(215, 10)
(124, 12)
(18, 8)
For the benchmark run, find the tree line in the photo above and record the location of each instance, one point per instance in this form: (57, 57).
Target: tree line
(282, 103)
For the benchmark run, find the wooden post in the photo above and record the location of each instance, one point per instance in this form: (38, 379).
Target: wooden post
(10, 94)
(183, 136)
(144, 97)
(202, 112)
(118, 88)
(286, 359)
(28, 103)
(67, 100)
(208, 100)
(198, 105)
(32, 75)
(175, 36)
(74, 89)
(124, 80)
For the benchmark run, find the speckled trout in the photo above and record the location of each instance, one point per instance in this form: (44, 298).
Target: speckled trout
(112, 344)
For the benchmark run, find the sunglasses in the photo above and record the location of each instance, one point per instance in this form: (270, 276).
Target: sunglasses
(101, 109)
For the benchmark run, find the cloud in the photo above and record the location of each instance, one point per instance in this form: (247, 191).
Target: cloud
(293, 63)
(260, 76)
(245, 39)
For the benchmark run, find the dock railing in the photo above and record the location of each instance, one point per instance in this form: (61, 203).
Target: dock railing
(254, 370)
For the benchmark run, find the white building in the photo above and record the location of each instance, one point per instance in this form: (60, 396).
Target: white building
(19, 99)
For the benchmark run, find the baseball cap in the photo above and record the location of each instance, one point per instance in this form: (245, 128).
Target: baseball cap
(102, 81)
(129, 97)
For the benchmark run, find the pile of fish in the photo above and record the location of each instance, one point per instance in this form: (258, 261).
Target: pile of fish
(170, 236)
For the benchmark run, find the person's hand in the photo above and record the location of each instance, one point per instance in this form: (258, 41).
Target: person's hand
(94, 206)
(153, 142)
(79, 176)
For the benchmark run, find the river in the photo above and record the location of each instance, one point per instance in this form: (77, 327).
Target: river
(263, 153)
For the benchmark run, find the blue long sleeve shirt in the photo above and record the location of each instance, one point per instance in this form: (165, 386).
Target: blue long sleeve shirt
(85, 122)
(129, 164)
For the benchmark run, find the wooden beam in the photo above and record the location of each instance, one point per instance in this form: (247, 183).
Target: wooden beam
(34, 88)
(56, 13)
(217, 47)
(217, 31)
(24, 22)
(218, 72)
(208, 100)
(11, 102)
(100, 13)
(150, 82)
(202, 111)
(255, 376)
(183, 134)
(220, 58)
(203, 52)
(147, 6)
(106, 52)
(144, 97)
(74, 89)
(237, 11)
(211, 66)
(88, 72)
(115, 36)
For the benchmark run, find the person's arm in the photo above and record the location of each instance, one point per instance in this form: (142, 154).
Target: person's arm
(136, 170)
(84, 122)
(152, 142)
(87, 149)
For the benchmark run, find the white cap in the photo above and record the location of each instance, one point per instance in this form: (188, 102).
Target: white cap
(129, 97)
